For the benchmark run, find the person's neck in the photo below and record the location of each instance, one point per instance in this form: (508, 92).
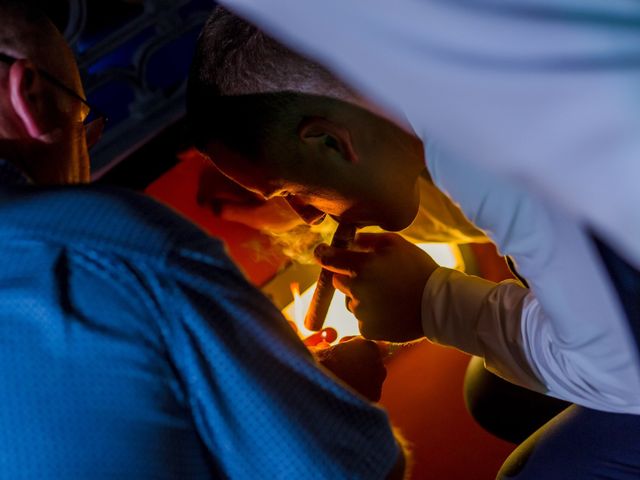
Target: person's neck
(37, 165)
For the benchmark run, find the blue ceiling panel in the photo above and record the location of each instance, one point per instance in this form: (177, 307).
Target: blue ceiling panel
(134, 56)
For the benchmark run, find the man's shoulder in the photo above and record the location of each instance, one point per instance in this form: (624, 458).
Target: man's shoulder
(105, 218)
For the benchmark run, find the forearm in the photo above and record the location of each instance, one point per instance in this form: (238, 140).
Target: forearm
(506, 325)
(481, 318)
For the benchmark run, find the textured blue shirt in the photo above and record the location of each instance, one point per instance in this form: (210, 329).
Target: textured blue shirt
(132, 348)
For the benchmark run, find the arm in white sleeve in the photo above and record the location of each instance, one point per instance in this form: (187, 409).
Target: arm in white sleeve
(481, 318)
(505, 324)
(592, 376)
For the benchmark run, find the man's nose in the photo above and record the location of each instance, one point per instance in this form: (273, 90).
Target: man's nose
(309, 214)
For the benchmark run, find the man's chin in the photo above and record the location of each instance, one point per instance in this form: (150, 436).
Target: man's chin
(393, 227)
(398, 223)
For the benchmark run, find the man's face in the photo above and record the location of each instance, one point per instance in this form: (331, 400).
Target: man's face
(73, 144)
(48, 119)
(373, 191)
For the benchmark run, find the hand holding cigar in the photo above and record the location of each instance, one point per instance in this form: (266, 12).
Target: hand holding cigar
(383, 277)
(314, 320)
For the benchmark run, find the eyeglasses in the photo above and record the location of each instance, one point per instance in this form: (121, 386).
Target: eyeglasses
(95, 120)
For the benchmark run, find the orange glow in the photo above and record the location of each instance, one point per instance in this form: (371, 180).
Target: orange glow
(445, 255)
(342, 320)
(338, 318)
(298, 305)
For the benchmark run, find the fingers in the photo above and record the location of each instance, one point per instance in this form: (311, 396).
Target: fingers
(347, 285)
(347, 303)
(376, 241)
(339, 260)
(343, 283)
(352, 304)
(350, 262)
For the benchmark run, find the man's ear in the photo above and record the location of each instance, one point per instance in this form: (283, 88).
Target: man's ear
(27, 97)
(328, 136)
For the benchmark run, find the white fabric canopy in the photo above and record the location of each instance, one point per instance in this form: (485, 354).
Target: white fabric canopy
(543, 92)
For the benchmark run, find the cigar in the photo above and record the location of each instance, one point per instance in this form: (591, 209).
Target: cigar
(314, 320)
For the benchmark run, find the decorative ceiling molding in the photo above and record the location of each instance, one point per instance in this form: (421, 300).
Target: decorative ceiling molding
(77, 20)
(117, 62)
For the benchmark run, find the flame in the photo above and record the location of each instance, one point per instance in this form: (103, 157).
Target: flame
(339, 317)
(298, 305)
(444, 254)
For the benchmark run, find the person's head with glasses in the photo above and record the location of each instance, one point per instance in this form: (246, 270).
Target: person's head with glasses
(44, 115)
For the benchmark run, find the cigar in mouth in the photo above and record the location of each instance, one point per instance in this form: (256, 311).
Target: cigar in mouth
(314, 320)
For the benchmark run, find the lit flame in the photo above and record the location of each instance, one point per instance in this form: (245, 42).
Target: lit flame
(298, 305)
(341, 319)
(338, 318)
(444, 254)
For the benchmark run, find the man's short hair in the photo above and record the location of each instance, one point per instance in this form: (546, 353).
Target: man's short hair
(243, 84)
(19, 14)
(28, 31)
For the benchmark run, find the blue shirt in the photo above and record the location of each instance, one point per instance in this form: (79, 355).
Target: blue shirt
(131, 348)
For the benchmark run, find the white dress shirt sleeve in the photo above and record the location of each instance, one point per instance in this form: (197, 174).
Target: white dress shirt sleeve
(573, 332)
(505, 324)
(481, 318)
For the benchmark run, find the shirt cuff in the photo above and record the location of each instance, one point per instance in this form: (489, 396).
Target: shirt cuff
(481, 318)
